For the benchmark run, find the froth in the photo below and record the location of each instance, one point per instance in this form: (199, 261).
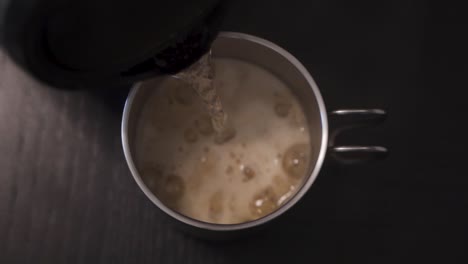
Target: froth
(240, 180)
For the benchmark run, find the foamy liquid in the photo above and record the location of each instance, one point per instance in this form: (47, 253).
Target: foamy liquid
(243, 179)
(200, 77)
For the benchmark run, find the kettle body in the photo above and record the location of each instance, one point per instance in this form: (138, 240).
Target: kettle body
(89, 43)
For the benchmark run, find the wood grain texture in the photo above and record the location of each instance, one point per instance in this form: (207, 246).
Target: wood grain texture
(66, 195)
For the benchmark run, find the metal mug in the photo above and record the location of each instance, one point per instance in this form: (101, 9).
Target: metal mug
(287, 68)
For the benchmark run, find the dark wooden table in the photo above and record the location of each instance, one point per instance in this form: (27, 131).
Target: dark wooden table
(66, 195)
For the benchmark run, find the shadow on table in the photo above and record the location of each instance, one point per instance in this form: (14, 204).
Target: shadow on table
(113, 97)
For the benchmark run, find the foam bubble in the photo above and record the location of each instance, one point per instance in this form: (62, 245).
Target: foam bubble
(263, 202)
(282, 109)
(216, 206)
(249, 174)
(190, 135)
(296, 160)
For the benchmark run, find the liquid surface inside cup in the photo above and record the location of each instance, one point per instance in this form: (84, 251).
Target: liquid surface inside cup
(241, 180)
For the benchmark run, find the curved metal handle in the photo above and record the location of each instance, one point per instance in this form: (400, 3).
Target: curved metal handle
(377, 112)
(357, 154)
(353, 118)
(356, 118)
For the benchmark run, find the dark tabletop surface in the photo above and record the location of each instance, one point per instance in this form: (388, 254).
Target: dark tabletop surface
(67, 196)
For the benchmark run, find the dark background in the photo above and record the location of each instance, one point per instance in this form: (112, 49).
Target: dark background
(66, 195)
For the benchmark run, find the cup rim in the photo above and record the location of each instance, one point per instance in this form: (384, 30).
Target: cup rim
(285, 207)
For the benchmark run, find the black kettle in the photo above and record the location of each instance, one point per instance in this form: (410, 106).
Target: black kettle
(91, 43)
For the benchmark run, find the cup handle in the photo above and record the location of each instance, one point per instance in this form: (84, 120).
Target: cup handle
(347, 119)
